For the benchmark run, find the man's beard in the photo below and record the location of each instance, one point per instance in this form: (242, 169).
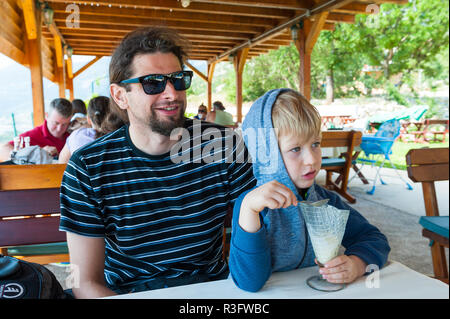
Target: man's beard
(165, 127)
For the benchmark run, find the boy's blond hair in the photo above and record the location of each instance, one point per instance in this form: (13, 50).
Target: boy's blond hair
(293, 114)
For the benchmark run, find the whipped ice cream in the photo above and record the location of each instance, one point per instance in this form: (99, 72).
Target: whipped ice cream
(325, 247)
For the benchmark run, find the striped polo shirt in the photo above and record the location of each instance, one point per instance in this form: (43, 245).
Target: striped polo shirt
(161, 216)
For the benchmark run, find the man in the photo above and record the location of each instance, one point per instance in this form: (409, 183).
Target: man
(136, 217)
(50, 135)
(220, 116)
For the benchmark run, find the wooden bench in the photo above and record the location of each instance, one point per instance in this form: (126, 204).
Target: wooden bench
(427, 165)
(341, 164)
(29, 212)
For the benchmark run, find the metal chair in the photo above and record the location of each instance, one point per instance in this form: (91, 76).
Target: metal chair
(380, 145)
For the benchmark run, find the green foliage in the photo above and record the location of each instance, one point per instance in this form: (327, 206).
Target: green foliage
(198, 86)
(189, 115)
(403, 38)
(396, 43)
(394, 94)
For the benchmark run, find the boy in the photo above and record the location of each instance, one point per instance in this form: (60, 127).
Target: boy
(269, 232)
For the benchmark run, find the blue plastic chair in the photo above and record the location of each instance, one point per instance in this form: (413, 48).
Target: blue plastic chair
(378, 145)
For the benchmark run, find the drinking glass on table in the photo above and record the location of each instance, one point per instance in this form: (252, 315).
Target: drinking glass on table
(326, 227)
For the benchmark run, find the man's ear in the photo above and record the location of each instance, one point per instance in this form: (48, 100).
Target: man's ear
(118, 94)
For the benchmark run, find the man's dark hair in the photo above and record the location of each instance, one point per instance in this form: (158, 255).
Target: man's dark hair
(78, 106)
(218, 106)
(145, 40)
(62, 106)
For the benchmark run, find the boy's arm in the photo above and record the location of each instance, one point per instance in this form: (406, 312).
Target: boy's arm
(249, 262)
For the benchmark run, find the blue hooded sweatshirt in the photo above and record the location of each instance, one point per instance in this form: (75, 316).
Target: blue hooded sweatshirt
(283, 243)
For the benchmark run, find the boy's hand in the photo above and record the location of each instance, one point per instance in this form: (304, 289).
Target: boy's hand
(271, 195)
(343, 269)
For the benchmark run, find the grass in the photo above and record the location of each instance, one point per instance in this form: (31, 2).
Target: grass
(399, 150)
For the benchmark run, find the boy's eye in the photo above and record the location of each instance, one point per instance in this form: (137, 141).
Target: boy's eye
(316, 144)
(295, 149)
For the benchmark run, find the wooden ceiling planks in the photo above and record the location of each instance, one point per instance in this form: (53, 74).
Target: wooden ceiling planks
(215, 27)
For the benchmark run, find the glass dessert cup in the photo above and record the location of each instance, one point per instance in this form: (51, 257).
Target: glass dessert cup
(326, 227)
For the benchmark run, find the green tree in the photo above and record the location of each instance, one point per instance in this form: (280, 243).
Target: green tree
(404, 38)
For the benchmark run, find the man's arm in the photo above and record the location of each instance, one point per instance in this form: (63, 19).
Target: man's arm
(5, 152)
(87, 255)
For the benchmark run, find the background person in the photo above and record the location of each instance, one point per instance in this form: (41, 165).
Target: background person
(220, 116)
(201, 113)
(50, 135)
(97, 112)
(79, 117)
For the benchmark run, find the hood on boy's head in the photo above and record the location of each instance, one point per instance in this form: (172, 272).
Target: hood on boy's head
(261, 141)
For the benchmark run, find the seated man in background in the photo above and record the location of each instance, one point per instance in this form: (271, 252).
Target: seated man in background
(220, 116)
(50, 135)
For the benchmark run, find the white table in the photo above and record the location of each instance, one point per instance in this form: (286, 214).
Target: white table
(394, 281)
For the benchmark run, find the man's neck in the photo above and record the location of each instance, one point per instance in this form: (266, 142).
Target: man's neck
(149, 141)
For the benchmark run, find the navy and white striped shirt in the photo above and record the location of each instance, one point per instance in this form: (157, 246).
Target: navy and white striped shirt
(161, 216)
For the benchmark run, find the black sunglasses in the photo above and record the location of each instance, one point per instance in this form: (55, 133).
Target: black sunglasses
(156, 83)
(201, 111)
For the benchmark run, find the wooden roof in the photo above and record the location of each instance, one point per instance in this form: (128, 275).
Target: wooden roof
(215, 27)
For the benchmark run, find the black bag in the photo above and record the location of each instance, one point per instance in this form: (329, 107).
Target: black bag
(25, 280)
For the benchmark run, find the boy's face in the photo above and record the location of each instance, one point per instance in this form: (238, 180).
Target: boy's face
(302, 159)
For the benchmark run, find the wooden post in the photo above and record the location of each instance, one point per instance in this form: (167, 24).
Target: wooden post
(69, 80)
(69, 84)
(211, 67)
(34, 57)
(305, 60)
(239, 64)
(59, 70)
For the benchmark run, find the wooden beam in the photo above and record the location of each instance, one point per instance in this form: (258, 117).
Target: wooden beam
(166, 15)
(179, 25)
(305, 60)
(194, 7)
(34, 57)
(69, 68)
(278, 4)
(87, 65)
(315, 31)
(239, 64)
(29, 14)
(211, 67)
(58, 51)
(196, 71)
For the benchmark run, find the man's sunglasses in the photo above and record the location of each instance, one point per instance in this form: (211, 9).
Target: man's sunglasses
(156, 83)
